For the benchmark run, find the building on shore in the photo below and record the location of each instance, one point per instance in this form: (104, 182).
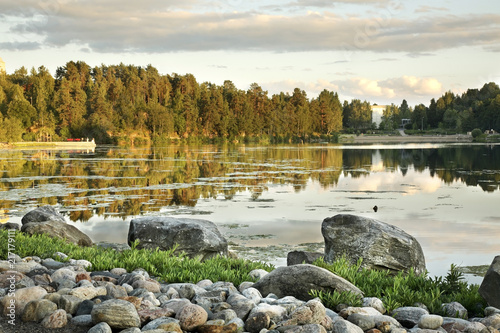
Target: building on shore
(2, 66)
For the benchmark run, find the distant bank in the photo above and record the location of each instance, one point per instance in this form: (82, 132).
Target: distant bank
(404, 139)
(51, 145)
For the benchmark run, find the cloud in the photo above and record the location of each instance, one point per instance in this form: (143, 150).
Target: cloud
(312, 88)
(19, 46)
(428, 9)
(156, 26)
(410, 87)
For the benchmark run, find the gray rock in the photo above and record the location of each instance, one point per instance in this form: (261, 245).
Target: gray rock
(117, 313)
(116, 291)
(241, 305)
(176, 304)
(431, 322)
(56, 229)
(85, 308)
(69, 303)
(9, 225)
(344, 326)
(409, 316)
(455, 309)
(252, 294)
(299, 280)
(197, 238)
(100, 328)
(490, 287)
(42, 214)
(302, 257)
(19, 266)
(227, 315)
(490, 310)
(381, 245)
(82, 320)
(492, 320)
(275, 312)
(364, 322)
(53, 264)
(375, 303)
(38, 309)
(120, 247)
(187, 290)
(64, 274)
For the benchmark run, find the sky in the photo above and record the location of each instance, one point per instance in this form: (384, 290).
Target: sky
(382, 51)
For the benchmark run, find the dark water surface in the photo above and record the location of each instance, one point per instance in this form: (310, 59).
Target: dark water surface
(268, 200)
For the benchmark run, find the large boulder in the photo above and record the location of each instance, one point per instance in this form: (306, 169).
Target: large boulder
(56, 229)
(380, 245)
(299, 280)
(43, 214)
(197, 238)
(46, 220)
(490, 287)
(302, 257)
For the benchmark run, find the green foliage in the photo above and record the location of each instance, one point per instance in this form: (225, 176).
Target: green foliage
(476, 132)
(165, 265)
(402, 289)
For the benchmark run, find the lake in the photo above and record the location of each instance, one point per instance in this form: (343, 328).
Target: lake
(269, 200)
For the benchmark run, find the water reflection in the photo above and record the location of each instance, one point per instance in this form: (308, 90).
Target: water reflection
(127, 182)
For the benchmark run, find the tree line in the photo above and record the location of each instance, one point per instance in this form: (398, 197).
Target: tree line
(132, 104)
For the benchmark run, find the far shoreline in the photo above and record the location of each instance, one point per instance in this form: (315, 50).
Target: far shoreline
(363, 138)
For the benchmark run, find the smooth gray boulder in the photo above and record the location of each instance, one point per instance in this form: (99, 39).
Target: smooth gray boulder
(57, 229)
(197, 238)
(299, 280)
(380, 245)
(43, 214)
(490, 287)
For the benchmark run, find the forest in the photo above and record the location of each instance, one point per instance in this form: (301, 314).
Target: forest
(126, 104)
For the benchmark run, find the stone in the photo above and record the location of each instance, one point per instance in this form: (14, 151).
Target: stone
(85, 264)
(38, 309)
(149, 285)
(85, 308)
(344, 326)
(375, 303)
(87, 292)
(69, 303)
(176, 304)
(455, 325)
(146, 315)
(9, 225)
(56, 319)
(116, 313)
(299, 280)
(490, 286)
(380, 245)
(431, 322)
(191, 317)
(100, 328)
(492, 320)
(118, 271)
(10, 278)
(197, 238)
(56, 229)
(82, 320)
(64, 274)
(115, 291)
(362, 321)
(252, 294)
(23, 267)
(241, 305)
(214, 326)
(152, 325)
(15, 303)
(256, 322)
(227, 314)
(53, 264)
(409, 316)
(42, 214)
(302, 257)
(275, 312)
(171, 327)
(455, 309)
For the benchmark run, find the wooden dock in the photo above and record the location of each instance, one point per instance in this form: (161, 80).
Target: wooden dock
(58, 145)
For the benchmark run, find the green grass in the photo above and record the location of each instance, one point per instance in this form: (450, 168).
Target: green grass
(164, 265)
(403, 289)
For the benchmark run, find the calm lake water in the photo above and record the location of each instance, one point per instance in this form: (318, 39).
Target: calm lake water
(268, 200)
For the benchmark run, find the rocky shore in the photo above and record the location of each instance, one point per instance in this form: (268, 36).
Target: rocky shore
(55, 296)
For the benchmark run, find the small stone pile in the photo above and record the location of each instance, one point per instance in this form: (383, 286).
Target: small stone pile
(57, 294)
